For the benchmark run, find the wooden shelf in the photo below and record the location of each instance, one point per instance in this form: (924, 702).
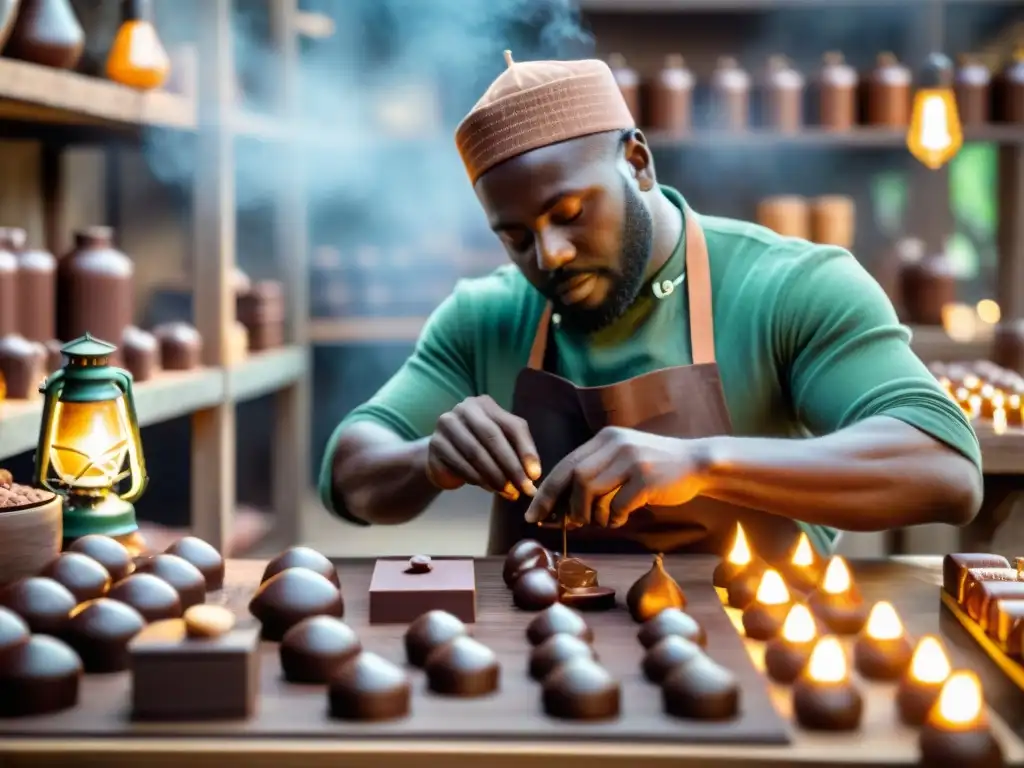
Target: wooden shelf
(361, 330)
(866, 137)
(171, 394)
(1001, 454)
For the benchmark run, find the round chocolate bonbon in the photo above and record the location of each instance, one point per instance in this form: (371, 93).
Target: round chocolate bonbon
(187, 580)
(292, 595)
(671, 621)
(581, 689)
(108, 552)
(594, 598)
(701, 689)
(671, 652)
(555, 651)
(558, 619)
(203, 556)
(150, 595)
(302, 557)
(99, 631)
(43, 603)
(38, 677)
(84, 578)
(13, 629)
(521, 552)
(463, 667)
(315, 647)
(535, 590)
(368, 687)
(428, 632)
(420, 564)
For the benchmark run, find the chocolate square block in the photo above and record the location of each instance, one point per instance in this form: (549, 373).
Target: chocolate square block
(979, 596)
(955, 567)
(1006, 625)
(400, 596)
(178, 678)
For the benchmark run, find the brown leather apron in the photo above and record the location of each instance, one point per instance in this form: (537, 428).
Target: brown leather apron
(684, 401)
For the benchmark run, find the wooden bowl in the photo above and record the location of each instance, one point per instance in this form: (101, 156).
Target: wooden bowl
(30, 537)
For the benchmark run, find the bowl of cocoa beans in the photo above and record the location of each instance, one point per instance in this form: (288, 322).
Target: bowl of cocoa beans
(31, 529)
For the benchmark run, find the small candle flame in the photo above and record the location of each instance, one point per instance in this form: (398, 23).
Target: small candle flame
(803, 555)
(772, 589)
(962, 394)
(799, 625)
(971, 381)
(987, 391)
(999, 421)
(960, 701)
(740, 552)
(929, 663)
(974, 405)
(837, 577)
(828, 661)
(883, 623)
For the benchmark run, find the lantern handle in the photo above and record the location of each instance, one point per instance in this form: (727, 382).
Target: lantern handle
(136, 461)
(51, 390)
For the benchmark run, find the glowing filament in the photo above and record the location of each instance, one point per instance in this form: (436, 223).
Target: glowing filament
(960, 701)
(803, 555)
(929, 663)
(772, 589)
(740, 553)
(837, 577)
(799, 625)
(828, 661)
(883, 623)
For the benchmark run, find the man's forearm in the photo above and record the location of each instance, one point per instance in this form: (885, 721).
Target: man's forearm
(876, 475)
(380, 478)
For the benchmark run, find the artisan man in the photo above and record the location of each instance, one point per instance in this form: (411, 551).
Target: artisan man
(649, 373)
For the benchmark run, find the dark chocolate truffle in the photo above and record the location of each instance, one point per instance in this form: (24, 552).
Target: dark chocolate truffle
(463, 667)
(187, 580)
(13, 630)
(85, 578)
(315, 647)
(420, 564)
(589, 598)
(368, 687)
(43, 603)
(555, 651)
(558, 620)
(671, 652)
(742, 589)
(430, 631)
(108, 552)
(701, 689)
(99, 631)
(581, 689)
(535, 590)
(151, 596)
(292, 595)
(203, 556)
(671, 621)
(521, 551)
(542, 559)
(302, 557)
(39, 676)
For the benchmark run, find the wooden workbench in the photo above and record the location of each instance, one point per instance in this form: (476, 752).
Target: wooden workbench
(912, 584)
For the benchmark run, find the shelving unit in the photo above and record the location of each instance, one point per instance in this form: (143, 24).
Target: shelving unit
(63, 109)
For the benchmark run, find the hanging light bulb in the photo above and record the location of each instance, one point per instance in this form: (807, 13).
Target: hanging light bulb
(935, 134)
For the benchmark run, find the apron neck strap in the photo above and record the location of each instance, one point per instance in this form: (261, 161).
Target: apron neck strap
(698, 283)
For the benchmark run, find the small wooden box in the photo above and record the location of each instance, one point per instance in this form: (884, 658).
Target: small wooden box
(175, 677)
(398, 596)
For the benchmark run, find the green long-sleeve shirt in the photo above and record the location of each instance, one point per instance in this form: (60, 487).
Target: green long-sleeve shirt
(806, 342)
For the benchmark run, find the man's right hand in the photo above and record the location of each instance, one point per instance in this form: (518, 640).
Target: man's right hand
(479, 443)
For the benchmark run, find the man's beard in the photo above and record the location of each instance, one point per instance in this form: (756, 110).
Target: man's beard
(637, 243)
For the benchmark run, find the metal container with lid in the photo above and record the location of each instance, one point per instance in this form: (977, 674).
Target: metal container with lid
(1011, 89)
(783, 96)
(629, 83)
(888, 93)
(973, 92)
(837, 93)
(670, 97)
(730, 95)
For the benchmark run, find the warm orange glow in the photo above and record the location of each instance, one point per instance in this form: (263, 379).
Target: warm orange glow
(740, 553)
(799, 625)
(935, 135)
(89, 442)
(987, 391)
(946, 384)
(974, 405)
(772, 589)
(837, 577)
(803, 555)
(960, 702)
(972, 382)
(828, 661)
(959, 321)
(989, 311)
(137, 58)
(883, 623)
(929, 663)
(999, 421)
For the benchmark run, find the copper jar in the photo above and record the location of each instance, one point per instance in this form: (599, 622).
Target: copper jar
(95, 288)
(22, 364)
(787, 215)
(973, 96)
(1008, 347)
(730, 95)
(140, 352)
(37, 290)
(670, 97)
(8, 287)
(181, 346)
(891, 265)
(928, 286)
(783, 96)
(888, 93)
(628, 81)
(261, 311)
(837, 93)
(1011, 90)
(833, 220)
(54, 354)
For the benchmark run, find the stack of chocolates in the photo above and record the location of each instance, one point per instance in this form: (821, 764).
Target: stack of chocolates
(261, 310)
(984, 390)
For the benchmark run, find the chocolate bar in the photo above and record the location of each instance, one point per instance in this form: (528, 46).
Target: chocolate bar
(1006, 624)
(979, 595)
(400, 592)
(955, 567)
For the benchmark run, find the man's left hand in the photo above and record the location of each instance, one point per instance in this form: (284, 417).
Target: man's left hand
(618, 472)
